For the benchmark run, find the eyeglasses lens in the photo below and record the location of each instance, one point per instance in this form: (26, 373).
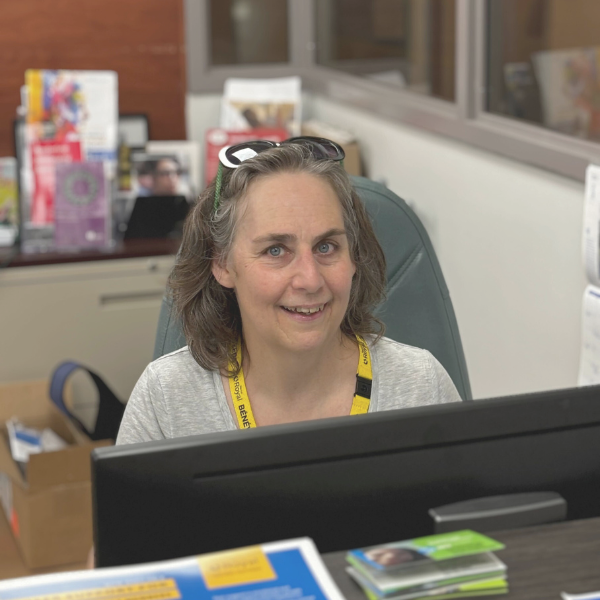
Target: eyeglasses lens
(321, 148)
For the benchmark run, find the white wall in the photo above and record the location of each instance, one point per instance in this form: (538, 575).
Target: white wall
(202, 113)
(507, 235)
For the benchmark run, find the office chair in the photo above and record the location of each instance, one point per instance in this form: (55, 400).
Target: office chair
(417, 310)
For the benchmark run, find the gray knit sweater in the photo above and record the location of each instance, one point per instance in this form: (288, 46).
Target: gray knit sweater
(176, 397)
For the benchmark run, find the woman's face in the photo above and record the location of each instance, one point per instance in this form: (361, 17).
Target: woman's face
(166, 178)
(290, 264)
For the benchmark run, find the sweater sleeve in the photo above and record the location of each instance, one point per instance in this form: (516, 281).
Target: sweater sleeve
(442, 383)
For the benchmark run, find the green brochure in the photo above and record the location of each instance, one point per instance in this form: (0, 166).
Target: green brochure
(428, 574)
(487, 587)
(408, 553)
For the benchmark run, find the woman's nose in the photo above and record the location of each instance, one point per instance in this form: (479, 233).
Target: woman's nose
(307, 274)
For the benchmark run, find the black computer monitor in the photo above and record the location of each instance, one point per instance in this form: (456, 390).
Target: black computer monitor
(157, 217)
(346, 482)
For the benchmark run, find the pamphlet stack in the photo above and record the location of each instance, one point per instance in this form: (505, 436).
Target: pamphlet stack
(68, 158)
(459, 564)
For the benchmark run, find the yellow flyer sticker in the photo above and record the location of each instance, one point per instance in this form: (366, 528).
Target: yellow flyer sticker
(35, 100)
(165, 589)
(235, 567)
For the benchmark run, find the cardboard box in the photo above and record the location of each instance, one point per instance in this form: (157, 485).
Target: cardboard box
(49, 510)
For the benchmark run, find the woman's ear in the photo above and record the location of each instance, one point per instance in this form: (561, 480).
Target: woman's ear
(223, 273)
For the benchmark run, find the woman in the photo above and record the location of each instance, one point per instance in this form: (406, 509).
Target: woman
(278, 273)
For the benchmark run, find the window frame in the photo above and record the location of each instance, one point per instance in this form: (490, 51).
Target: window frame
(464, 120)
(204, 78)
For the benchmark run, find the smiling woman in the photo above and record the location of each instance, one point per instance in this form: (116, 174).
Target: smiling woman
(277, 278)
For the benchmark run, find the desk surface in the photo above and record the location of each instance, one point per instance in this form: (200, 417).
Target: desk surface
(127, 249)
(542, 561)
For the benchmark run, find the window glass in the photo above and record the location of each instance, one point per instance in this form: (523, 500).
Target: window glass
(543, 63)
(248, 31)
(404, 43)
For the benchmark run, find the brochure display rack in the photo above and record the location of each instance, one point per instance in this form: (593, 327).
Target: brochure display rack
(70, 117)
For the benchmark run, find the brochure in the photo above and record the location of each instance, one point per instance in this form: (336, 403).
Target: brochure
(430, 548)
(82, 206)
(284, 570)
(480, 587)
(252, 103)
(70, 116)
(589, 357)
(75, 105)
(428, 573)
(45, 158)
(9, 208)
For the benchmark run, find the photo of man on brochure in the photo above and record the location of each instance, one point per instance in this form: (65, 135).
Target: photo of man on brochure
(392, 556)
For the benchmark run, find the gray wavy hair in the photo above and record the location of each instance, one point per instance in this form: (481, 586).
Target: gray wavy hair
(209, 312)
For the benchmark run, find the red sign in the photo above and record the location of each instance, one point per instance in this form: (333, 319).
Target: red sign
(45, 156)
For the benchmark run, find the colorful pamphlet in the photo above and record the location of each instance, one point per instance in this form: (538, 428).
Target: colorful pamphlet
(9, 208)
(289, 570)
(254, 103)
(428, 574)
(484, 587)
(70, 116)
(75, 105)
(81, 206)
(46, 155)
(450, 565)
(430, 548)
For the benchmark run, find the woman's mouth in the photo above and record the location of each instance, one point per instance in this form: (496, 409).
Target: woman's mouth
(305, 313)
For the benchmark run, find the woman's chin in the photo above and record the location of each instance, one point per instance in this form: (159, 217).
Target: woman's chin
(308, 341)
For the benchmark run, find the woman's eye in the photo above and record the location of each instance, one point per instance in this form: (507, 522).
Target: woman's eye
(325, 248)
(275, 251)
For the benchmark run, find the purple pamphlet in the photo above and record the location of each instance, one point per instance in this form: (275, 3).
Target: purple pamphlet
(81, 206)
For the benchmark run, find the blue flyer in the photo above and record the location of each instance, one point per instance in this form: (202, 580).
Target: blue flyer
(289, 570)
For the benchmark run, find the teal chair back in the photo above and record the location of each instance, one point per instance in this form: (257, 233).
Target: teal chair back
(417, 310)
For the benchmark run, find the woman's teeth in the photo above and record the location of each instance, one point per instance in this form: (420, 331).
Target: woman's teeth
(306, 311)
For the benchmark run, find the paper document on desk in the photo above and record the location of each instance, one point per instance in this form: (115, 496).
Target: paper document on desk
(290, 570)
(589, 361)
(591, 225)
(588, 596)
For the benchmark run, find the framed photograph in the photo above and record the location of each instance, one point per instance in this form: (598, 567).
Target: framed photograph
(164, 174)
(187, 154)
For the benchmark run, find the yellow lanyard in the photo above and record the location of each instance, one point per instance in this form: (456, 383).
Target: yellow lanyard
(362, 392)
